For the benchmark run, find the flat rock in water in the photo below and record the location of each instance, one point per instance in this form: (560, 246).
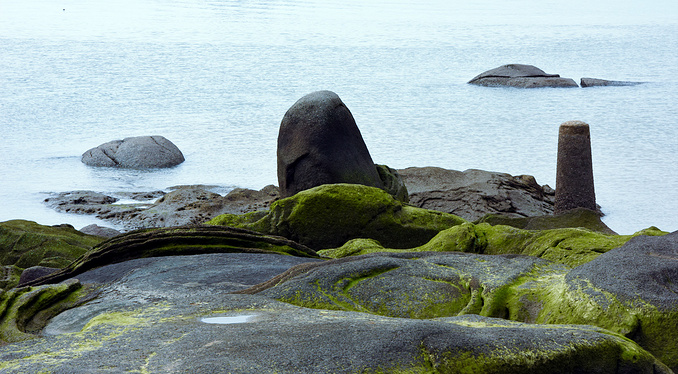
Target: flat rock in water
(139, 152)
(521, 76)
(183, 205)
(175, 314)
(594, 82)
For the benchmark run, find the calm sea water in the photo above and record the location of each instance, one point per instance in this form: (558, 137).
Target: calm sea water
(216, 77)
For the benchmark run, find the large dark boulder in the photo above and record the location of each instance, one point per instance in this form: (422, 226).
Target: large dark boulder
(319, 143)
(139, 152)
(521, 76)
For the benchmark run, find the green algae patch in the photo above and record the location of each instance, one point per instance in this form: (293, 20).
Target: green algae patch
(25, 311)
(9, 276)
(579, 302)
(126, 319)
(328, 216)
(25, 244)
(98, 332)
(568, 246)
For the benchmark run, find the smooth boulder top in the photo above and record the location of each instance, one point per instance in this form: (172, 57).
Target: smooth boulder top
(139, 152)
(521, 76)
(514, 71)
(645, 268)
(320, 143)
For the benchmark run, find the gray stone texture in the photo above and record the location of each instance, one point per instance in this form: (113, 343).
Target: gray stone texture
(574, 169)
(521, 76)
(139, 152)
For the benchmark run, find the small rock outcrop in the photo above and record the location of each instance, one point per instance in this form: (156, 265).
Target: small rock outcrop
(320, 143)
(521, 76)
(96, 230)
(472, 194)
(595, 82)
(35, 272)
(191, 204)
(139, 152)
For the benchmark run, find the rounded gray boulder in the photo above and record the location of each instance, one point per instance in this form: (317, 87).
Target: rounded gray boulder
(139, 152)
(521, 76)
(319, 143)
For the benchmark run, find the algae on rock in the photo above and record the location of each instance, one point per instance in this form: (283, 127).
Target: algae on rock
(25, 311)
(180, 240)
(567, 246)
(24, 244)
(629, 290)
(327, 216)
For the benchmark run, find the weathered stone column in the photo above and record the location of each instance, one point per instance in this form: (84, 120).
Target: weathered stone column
(574, 171)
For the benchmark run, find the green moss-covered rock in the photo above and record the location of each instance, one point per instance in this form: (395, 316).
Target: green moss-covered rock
(24, 244)
(327, 216)
(630, 290)
(9, 276)
(150, 317)
(180, 240)
(24, 311)
(567, 246)
(393, 183)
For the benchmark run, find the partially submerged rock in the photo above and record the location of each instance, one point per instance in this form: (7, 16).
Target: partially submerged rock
(329, 215)
(183, 205)
(472, 194)
(521, 76)
(139, 152)
(595, 82)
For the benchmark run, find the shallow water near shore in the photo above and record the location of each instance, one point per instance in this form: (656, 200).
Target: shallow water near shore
(216, 78)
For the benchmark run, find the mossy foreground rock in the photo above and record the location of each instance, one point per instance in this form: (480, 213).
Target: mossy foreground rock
(151, 317)
(630, 290)
(25, 311)
(327, 216)
(181, 240)
(24, 244)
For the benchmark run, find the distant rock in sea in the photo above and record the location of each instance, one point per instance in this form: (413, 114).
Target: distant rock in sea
(139, 152)
(595, 82)
(521, 76)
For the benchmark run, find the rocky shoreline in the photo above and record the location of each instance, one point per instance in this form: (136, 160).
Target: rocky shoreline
(352, 268)
(471, 194)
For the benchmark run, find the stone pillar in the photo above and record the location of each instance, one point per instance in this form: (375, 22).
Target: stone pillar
(574, 171)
